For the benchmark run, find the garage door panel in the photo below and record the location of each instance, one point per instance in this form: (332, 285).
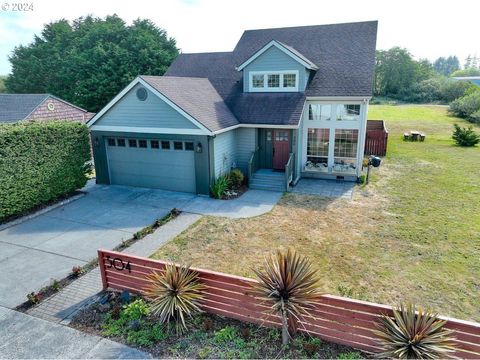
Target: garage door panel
(153, 168)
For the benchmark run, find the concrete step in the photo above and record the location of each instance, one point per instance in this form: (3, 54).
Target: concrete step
(272, 175)
(267, 187)
(267, 182)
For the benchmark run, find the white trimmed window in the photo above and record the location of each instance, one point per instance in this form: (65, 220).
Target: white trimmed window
(348, 112)
(270, 81)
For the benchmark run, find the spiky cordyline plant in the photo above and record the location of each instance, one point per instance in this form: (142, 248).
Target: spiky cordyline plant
(414, 333)
(174, 293)
(288, 280)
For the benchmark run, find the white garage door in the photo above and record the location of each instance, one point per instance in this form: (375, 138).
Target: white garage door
(160, 164)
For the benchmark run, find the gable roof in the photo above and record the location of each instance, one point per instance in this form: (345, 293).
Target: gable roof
(344, 53)
(197, 97)
(288, 50)
(16, 107)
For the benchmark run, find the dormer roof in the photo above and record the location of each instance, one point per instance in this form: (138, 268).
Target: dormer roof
(288, 50)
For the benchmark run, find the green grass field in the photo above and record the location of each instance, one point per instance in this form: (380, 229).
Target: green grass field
(433, 199)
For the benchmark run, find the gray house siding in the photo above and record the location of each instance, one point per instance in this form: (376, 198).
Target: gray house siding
(275, 60)
(224, 149)
(151, 113)
(202, 160)
(246, 144)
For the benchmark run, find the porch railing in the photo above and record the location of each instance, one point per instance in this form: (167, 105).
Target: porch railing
(252, 163)
(289, 171)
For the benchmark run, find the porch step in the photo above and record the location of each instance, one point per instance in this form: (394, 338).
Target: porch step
(268, 181)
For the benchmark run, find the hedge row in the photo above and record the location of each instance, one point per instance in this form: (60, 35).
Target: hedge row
(39, 162)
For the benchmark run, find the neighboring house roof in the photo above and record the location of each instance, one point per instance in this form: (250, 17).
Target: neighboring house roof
(343, 53)
(197, 97)
(290, 51)
(16, 107)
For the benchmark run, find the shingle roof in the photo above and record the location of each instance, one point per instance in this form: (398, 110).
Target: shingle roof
(344, 54)
(299, 54)
(16, 107)
(197, 97)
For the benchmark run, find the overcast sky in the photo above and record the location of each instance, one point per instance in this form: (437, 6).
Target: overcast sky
(428, 29)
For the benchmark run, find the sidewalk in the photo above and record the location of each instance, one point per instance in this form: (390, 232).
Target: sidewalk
(61, 307)
(53, 341)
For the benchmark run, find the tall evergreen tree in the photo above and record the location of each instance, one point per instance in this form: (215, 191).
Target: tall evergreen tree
(88, 61)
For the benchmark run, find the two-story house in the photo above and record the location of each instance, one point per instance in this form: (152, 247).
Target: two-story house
(286, 103)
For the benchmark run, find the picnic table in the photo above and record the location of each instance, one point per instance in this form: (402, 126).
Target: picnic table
(414, 135)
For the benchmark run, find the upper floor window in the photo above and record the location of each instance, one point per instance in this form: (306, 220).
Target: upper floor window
(268, 81)
(320, 112)
(348, 112)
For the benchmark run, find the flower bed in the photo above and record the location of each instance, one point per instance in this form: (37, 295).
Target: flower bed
(126, 319)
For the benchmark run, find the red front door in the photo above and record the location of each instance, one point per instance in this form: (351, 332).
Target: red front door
(281, 148)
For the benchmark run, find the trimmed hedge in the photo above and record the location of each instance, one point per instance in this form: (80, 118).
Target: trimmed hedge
(39, 162)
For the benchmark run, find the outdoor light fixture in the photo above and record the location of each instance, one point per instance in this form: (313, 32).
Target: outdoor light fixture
(198, 148)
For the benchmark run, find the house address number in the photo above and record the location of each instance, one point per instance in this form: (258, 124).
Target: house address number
(118, 264)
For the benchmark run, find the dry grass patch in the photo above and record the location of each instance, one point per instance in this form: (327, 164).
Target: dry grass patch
(413, 234)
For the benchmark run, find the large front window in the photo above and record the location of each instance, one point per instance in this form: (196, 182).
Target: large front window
(345, 150)
(317, 149)
(265, 81)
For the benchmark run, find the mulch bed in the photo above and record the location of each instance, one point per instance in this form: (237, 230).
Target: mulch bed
(211, 336)
(236, 193)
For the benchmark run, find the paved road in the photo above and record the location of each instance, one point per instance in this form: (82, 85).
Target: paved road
(47, 340)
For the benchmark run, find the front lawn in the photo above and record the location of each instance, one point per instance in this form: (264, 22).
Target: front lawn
(412, 234)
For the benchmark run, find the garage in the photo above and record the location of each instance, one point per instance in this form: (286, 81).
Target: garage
(151, 163)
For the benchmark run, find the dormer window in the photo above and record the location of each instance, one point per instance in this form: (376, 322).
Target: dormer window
(273, 81)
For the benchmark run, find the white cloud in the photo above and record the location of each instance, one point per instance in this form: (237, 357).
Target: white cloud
(427, 28)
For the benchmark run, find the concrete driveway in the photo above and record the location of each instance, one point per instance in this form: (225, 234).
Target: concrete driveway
(46, 247)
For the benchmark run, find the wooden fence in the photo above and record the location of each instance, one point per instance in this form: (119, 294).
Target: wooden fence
(333, 318)
(376, 138)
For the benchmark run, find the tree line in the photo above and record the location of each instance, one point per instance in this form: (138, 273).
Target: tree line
(399, 76)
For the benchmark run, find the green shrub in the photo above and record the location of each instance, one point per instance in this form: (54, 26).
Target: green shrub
(451, 90)
(350, 355)
(475, 117)
(220, 186)
(466, 106)
(228, 333)
(236, 177)
(39, 162)
(465, 136)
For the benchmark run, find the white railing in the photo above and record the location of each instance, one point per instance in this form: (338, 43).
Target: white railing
(289, 171)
